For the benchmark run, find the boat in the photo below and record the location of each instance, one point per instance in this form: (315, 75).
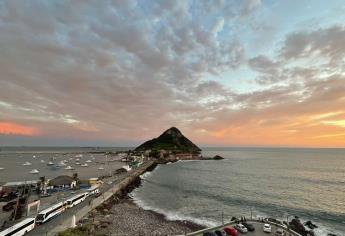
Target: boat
(88, 161)
(85, 165)
(27, 164)
(126, 167)
(65, 161)
(69, 168)
(42, 161)
(60, 164)
(2, 168)
(77, 159)
(50, 163)
(101, 168)
(33, 156)
(78, 163)
(34, 171)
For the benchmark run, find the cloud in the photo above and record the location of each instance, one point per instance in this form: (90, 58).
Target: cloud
(9, 128)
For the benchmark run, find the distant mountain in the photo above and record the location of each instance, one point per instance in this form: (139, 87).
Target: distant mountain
(171, 140)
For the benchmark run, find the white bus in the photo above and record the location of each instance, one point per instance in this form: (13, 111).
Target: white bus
(93, 190)
(20, 228)
(50, 212)
(75, 200)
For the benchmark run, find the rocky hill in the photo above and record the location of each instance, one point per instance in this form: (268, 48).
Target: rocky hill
(171, 140)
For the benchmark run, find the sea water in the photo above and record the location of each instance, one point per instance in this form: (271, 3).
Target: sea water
(280, 183)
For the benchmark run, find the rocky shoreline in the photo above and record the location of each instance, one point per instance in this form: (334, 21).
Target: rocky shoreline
(121, 216)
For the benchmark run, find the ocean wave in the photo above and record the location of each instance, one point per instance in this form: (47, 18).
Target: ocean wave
(172, 215)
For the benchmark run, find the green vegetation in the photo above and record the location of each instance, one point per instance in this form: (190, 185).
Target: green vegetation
(171, 140)
(79, 231)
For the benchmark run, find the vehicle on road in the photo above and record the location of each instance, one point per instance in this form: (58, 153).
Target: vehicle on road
(231, 231)
(250, 227)
(9, 206)
(47, 214)
(240, 228)
(280, 232)
(267, 228)
(20, 228)
(220, 233)
(75, 200)
(209, 234)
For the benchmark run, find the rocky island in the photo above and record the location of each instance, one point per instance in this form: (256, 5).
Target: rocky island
(172, 146)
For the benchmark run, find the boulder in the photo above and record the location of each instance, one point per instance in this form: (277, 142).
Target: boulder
(217, 157)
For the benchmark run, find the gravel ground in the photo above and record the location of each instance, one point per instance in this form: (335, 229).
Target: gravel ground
(126, 218)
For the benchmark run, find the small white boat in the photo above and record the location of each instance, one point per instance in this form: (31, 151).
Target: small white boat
(88, 161)
(33, 156)
(101, 168)
(27, 164)
(2, 168)
(69, 168)
(85, 165)
(65, 161)
(70, 158)
(127, 168)
(77, 159)
(42, 161)
(50, 163)
(34, 171)
(60, 164)
(78, 163)
(79, 155)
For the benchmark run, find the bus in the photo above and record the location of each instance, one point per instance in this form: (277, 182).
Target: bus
(75, 200)
(93, 190)
(20, 228)
(50, 212)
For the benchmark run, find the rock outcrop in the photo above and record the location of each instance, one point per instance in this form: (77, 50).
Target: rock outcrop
(171, 140)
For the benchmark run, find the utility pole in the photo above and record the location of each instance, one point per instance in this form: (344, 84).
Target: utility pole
(222, 217)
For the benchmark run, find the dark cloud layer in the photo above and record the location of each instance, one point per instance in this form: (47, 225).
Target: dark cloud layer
(122, 71)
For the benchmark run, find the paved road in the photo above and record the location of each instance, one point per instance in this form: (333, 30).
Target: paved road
(64, 220)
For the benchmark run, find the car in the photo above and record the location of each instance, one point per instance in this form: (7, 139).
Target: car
(249, 226)
(220, 233)
(209, 234)
(280, 232)
(231, 231)
(267, 228)
(9, 206)
(240, 228)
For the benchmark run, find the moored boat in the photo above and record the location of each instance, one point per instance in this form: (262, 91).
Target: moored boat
(34, 171)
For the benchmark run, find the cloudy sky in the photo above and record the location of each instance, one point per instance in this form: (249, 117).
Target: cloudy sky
(225, 72)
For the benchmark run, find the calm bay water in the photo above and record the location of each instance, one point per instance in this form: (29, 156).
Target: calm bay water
(13, 158)
(279, 183)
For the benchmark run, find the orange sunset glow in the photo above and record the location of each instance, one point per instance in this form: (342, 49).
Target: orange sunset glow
(255, 77)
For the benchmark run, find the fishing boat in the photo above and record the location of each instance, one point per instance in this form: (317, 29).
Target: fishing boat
(34, 171)
(61, 164)
(127, 167)
(27, 164)
(84, 165)
(69, 168)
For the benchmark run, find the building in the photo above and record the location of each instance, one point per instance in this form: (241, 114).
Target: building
(63, 181)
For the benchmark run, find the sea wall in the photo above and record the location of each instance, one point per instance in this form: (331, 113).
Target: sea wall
(118, 189)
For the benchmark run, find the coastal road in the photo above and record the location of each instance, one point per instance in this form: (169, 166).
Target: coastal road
(64, 220)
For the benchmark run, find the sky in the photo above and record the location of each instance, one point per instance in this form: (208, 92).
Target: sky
(225, 72)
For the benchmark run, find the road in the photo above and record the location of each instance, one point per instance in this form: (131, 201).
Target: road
(64, 220)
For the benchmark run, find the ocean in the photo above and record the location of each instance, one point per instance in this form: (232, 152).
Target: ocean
(272, 182)
(12, 161)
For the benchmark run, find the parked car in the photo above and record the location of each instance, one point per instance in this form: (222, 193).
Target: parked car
(9, 206)
(280, 232)
(231, 231)
(249, 226)
(209, 234)
(241, 228)
(220, 233)
(267, 228)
